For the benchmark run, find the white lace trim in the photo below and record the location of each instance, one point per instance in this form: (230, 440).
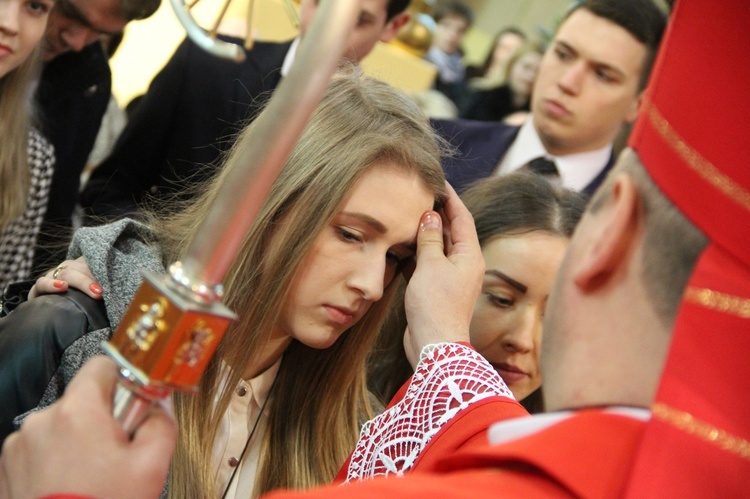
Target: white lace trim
(449, 378)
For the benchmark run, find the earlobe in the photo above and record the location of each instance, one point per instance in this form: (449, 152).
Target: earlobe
(612, 238)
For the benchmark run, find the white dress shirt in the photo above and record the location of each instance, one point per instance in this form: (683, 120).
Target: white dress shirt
(576, 170)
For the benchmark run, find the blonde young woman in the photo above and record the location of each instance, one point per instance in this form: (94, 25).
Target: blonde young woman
(282, 402)
(26, 158)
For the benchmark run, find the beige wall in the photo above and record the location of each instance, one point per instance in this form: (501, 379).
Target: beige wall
(493, 15)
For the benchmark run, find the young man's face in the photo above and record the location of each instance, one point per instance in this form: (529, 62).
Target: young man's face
(74, 24)
(587, 85)
(449, 33)
(372, 26)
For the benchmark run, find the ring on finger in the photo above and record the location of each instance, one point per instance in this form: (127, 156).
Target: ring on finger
(58, 269)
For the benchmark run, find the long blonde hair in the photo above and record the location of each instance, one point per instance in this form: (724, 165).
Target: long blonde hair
(320, 397)
(15, 122)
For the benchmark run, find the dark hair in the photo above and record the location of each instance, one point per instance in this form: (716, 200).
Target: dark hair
(453, 9)
(522, 202)
(138, 9)
(640, 18)
(396, 7)
(509, 30)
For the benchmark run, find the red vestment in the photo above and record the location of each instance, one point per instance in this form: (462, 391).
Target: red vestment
(586, 455)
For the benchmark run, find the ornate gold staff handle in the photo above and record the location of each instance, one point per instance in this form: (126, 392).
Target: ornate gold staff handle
(175, 322)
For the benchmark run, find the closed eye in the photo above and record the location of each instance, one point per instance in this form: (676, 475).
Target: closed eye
(499, 301)
(365, 19)
(562, 54)
(348, 236)
(604, 76)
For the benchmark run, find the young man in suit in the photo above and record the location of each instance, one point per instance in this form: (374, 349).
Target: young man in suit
(590, 83)
(72, 96)
(196, 105)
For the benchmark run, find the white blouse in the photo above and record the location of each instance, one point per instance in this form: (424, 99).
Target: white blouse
(235, 427)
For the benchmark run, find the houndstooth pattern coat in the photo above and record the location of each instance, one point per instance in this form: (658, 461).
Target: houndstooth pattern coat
(18, 239)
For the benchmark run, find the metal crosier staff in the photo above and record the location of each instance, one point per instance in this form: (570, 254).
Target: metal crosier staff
(175, 322)
(207, 39)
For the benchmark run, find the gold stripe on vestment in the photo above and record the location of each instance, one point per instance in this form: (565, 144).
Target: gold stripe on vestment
(694, 159)
(720, 302)
(688, 423)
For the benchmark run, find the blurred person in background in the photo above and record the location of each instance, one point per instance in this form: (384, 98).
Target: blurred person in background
(453, 19)
(512, 97)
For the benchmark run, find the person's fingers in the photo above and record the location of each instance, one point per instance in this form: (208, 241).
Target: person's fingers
(47, 286)
(154, 441)
(70, 273)
(79, 429)
(97, 379)
(6, 465)
(4, 485)
(463, 234)
(430, 236)
(442, 292)
(159, 430)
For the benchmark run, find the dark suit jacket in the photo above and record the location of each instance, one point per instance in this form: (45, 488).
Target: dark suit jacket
(73, 93)
(189, 116)
(480, 145)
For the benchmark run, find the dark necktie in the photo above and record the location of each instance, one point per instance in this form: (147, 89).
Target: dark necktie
(543, 166)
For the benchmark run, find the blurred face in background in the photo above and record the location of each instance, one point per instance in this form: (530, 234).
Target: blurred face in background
(506, 327)
(372, 26)
(449, 33)
(523, 73)
(75, 24)
(22, 24)
(506, 46)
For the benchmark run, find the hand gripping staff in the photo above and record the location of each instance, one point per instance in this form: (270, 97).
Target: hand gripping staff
(176, 321)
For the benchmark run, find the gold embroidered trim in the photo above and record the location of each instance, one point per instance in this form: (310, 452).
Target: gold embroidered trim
(694, 160)
(721, 302)
(686, 422)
